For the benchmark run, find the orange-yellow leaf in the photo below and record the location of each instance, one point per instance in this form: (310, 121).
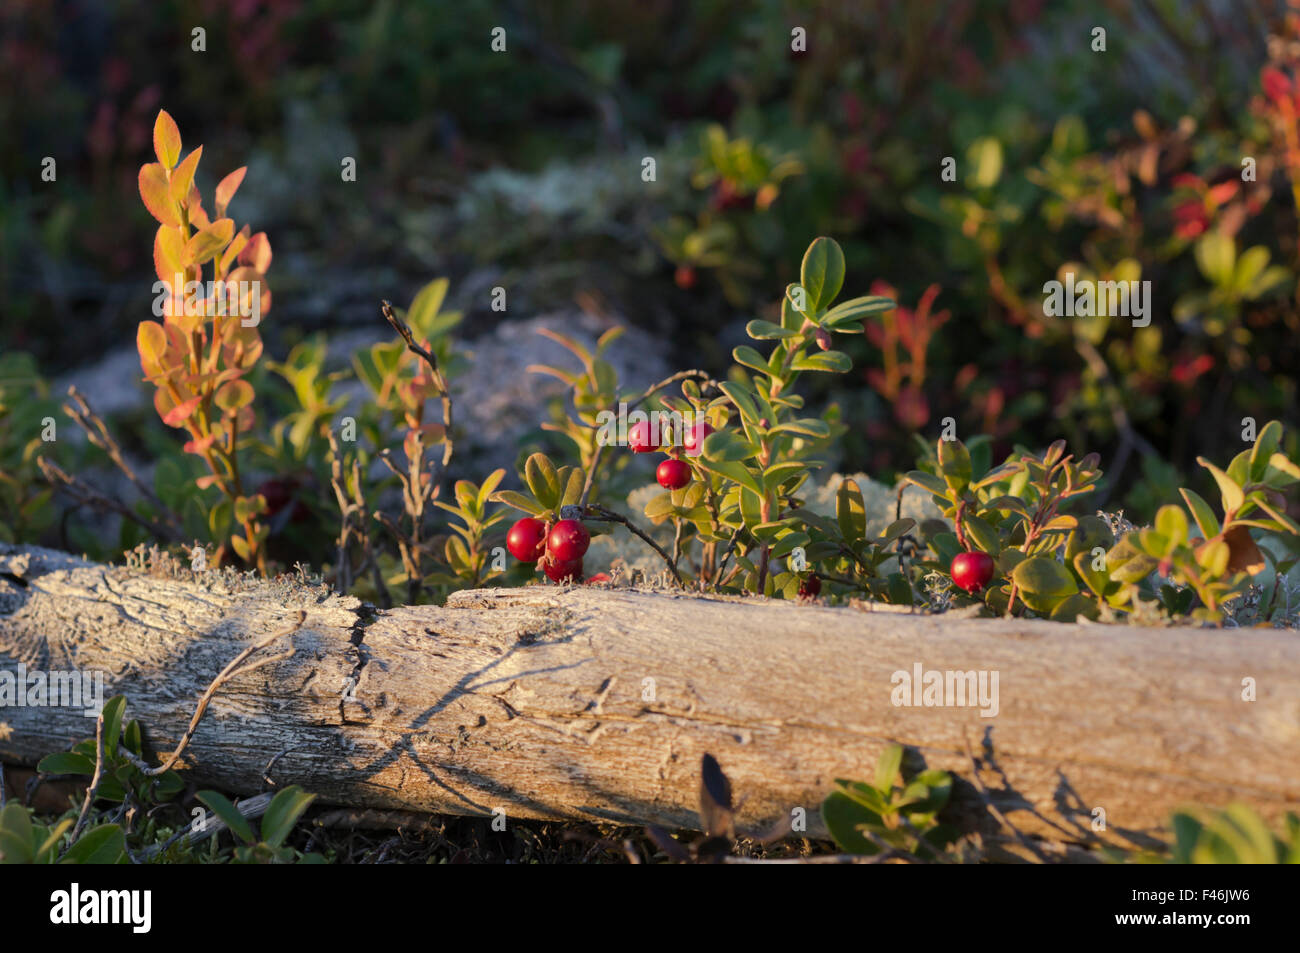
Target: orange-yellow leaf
(233, 249)
(157, 199)
(151, 341)
(207, 242)
(257, 254)
(166, 139)
(227, 187)
(168, 253)
(183, 177)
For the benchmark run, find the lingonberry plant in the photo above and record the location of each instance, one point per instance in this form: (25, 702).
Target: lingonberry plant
(198, 357)
(738, 451)
(1009, 523)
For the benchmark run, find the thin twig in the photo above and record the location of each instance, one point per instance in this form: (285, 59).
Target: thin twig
(600, 514)
(86, 494)
(79, 409)
(439, 380)
(96, 779)
(232, 669)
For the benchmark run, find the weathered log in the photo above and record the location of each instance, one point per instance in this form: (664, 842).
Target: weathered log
(594, 704)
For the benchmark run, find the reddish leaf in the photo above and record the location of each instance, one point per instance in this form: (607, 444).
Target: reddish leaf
(1275, 83)
(200, 445)
(157, 199)
(227, 187)
(1244, 555)
(177, 416)
(245, 419)
(257, 254)
(166, 139)
(194, 205)
(1223, 192)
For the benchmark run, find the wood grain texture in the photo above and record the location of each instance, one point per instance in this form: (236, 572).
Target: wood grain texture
(598, 704)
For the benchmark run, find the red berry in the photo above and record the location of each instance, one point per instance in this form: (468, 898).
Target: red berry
(568, 541)
(972, 571)
(693, 437)
(673, 474)
(527, 540)
(562, 569)
(641, 438)
(685, 277)
(810, 587)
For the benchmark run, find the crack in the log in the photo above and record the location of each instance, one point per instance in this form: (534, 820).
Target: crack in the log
(366, 614)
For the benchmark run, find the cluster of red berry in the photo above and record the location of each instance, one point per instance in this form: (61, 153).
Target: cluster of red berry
(674, 473)
(558, 548)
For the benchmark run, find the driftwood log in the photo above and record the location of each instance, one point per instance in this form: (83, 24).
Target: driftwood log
(598, 704)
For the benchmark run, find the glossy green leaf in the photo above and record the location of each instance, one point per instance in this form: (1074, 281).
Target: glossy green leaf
(725, 445)
(283, 812)
(66, 762)
(1206, 521)
(746, 355)
(113, 710)
(105, 844)
(766, 331)
(519, 501)
(1171, 523)
(220, 805)
(847, 313)
(835, 362)
(850, 511)
(1043, 583)
(1228, 488)
(542, 480)
(822, 272)
(927, 481)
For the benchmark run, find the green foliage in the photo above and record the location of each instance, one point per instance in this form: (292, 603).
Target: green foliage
(23, 840)
(121, 773)
(266, 846)
(25, 408)
(891, 811)
(1234, 835)
(135, 813)
(1216, 566)
(1061, 565)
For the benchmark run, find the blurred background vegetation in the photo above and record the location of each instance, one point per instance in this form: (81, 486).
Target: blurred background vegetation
(523, 169)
